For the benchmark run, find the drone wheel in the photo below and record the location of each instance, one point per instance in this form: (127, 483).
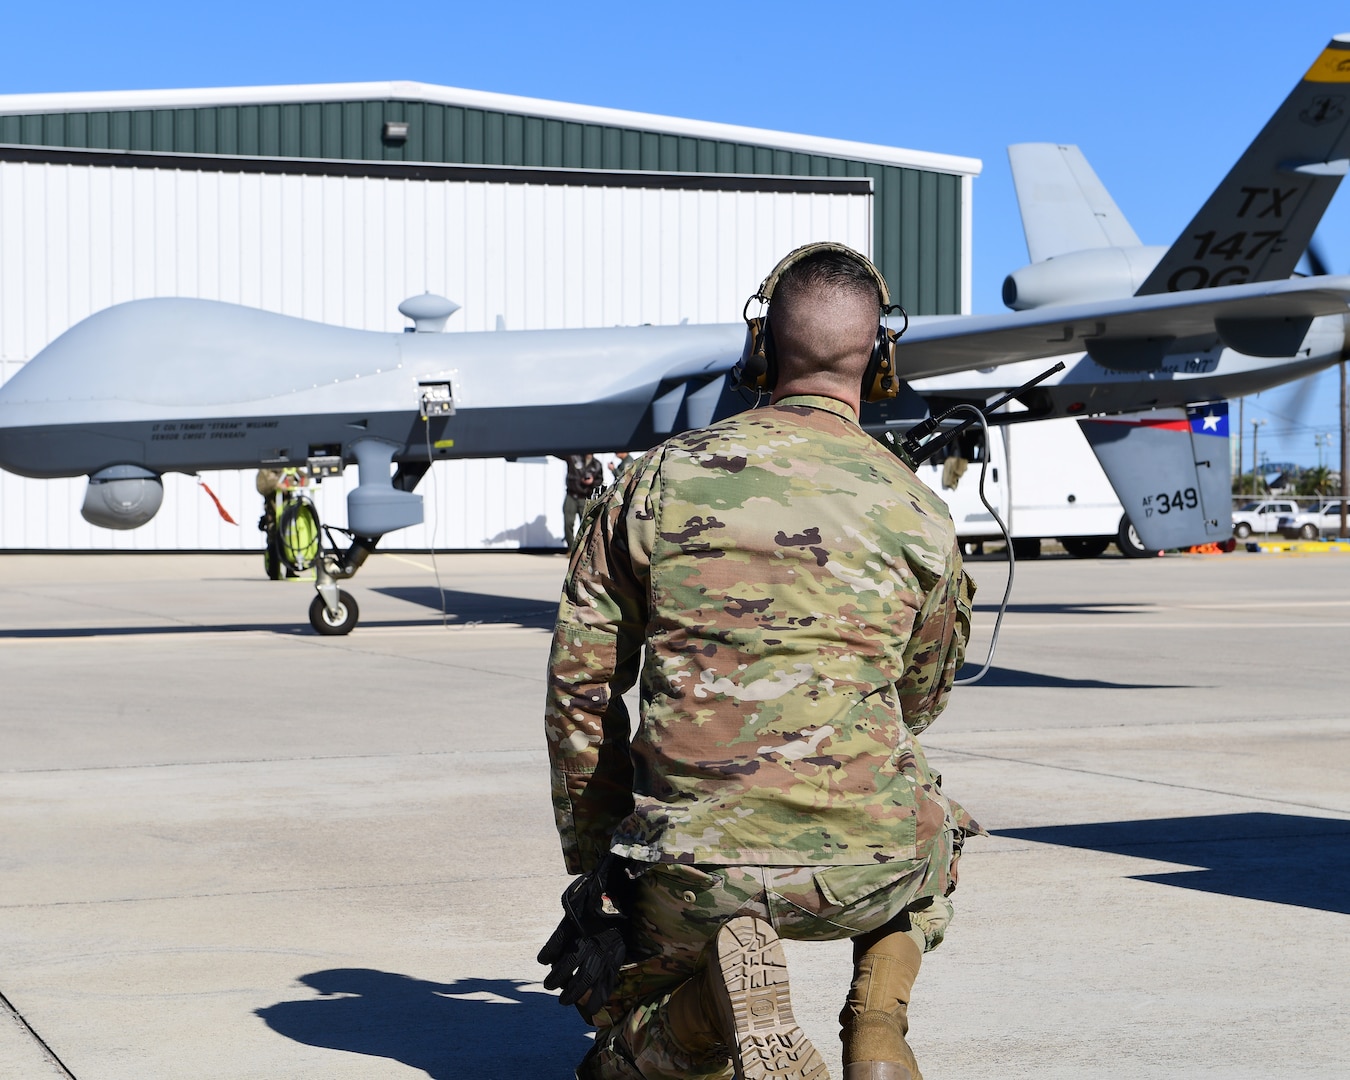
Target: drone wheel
(330, 625)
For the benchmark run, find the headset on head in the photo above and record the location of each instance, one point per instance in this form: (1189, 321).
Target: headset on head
(758, 366)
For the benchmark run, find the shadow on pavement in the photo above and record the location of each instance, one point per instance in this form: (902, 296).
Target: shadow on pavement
(1009, 677)
(488, 1029)
(301, 628)
(469, 607)
(140, 631)
(461, 608)
(1278, 858)
(1072, 609)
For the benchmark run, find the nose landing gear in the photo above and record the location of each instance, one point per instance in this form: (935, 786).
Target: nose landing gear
(335, 622)
(334, 612)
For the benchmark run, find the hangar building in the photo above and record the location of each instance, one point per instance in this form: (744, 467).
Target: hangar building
(337, 202)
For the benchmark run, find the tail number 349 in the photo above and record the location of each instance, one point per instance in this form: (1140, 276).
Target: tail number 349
(1164, 503)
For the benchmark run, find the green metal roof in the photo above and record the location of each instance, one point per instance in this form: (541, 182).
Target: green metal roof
(918, 213)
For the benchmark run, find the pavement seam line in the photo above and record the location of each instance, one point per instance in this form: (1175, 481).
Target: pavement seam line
(528, 752)
(1144, 780)
(436, 662)
(261, 892)
(200, 633)
(47, 1051)
(1139, 725)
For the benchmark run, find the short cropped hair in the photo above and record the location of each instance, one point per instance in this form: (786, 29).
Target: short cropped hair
(832, 270)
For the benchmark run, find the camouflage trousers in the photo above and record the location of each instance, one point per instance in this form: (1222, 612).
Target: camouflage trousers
(680, 908)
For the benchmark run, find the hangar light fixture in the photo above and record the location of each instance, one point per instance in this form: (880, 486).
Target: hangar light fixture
(395, 130)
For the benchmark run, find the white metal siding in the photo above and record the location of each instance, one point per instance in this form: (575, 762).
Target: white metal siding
(75, 239)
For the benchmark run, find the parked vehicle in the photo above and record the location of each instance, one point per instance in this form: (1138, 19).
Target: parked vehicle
(1057, 492)
(1046, 484)
(1324, 520)
(1261, 516)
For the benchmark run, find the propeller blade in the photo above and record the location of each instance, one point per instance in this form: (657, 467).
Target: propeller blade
(1316, 261)
(1302, 395)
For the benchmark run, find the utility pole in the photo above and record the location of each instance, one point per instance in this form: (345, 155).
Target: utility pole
(1242, 488)
(1256, 427)
(1345, 458)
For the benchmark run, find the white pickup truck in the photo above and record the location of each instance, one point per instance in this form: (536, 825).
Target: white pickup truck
(1261, 516)
(1309, 524)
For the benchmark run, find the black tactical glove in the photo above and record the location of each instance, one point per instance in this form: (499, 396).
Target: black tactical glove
(589, 945)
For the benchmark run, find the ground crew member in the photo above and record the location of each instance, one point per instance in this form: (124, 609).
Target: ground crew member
(277, 487)
(801, 601)
(619, 467)
(585, 478)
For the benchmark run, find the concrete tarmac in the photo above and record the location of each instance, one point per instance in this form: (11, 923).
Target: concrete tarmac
(230, 848)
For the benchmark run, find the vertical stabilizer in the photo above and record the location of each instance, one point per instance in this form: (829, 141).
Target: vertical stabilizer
(1171, 470)
(1257, 224)
(1064, 206)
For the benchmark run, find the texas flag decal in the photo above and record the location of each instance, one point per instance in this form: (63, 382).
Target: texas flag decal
(1209, 419)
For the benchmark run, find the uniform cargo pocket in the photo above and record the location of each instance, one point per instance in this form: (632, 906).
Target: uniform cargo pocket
(683, 876)
(845, 886)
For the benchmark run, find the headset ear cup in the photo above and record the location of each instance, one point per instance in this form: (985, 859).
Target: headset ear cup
(879, 381)
(751, 370)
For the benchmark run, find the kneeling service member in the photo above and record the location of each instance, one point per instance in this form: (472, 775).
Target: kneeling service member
(801, 603)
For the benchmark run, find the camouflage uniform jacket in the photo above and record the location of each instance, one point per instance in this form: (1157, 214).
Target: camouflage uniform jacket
(802, 604)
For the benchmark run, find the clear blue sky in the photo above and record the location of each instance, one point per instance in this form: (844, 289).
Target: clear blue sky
(1162, 97)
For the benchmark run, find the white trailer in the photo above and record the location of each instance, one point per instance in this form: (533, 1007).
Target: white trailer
(1046, 484)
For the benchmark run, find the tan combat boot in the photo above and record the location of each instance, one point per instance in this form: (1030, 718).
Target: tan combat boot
(741, 1001)
(694, 1030)
(875, 1018)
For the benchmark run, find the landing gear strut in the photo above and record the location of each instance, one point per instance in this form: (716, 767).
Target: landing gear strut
(334, 612)
(380, 505)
